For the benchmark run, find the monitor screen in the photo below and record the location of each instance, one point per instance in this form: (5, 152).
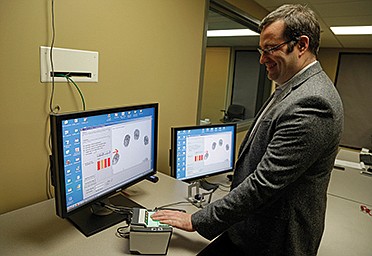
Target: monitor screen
(201, 151)
(97, 153)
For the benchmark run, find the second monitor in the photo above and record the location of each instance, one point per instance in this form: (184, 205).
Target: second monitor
(198, 152)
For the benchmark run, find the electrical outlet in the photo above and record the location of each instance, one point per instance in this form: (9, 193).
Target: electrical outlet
(80, 65)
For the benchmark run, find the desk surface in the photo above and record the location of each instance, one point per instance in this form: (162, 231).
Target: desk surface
(350, 184)
(348, 230)
(36, 230)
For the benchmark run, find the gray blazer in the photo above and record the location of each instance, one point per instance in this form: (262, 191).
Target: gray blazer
(277, 201)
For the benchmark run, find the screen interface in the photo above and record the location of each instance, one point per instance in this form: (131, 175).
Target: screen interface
(203, 151)
(103, 152)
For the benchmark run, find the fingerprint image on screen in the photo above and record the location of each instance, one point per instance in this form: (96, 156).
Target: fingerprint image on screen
(201, 151)
(126, 146)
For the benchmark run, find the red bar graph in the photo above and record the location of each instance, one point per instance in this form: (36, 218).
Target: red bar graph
(103, 163)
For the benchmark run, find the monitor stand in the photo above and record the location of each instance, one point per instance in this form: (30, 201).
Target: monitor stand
(198, 199)
(90, 223)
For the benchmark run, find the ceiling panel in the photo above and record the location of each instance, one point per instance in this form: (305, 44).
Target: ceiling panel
(244, 41)
(329, 13)
(217, 21)
(347, 9)
(349, 21)
(360, 41)
(335, 13)
(328, 39)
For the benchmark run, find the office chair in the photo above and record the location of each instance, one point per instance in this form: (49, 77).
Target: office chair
(234, 113)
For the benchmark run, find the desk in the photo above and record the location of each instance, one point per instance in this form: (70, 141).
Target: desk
(350, 184)
(348, 230)
(36, 230)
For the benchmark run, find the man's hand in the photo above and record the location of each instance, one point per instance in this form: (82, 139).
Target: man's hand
(176, 219)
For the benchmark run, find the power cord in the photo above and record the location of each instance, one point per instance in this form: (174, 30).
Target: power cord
(119, 209)
(166, 207)
(123, 232)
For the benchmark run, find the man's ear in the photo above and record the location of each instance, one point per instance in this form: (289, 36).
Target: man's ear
(303, 44)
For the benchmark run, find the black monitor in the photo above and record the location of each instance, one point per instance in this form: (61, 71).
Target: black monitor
(96, 154)
(201, 151)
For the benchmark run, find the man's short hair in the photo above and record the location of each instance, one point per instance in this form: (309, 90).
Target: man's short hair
(299, 20)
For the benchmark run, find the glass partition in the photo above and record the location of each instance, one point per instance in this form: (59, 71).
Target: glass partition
(234, 84)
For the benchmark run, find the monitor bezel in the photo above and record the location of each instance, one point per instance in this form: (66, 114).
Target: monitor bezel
(173, 153)
(57, 161)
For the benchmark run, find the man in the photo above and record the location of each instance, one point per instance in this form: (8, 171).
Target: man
(277, 201)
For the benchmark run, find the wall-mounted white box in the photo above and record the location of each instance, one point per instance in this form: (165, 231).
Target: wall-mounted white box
(80, 65)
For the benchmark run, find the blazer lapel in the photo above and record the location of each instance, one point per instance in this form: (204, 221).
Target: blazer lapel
(295, 82)
(245, 142)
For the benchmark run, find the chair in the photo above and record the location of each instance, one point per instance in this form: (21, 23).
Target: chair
(234, 113)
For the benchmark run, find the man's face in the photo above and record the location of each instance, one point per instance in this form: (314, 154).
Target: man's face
(280, 64)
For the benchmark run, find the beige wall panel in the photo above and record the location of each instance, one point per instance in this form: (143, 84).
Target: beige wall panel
(149, 51)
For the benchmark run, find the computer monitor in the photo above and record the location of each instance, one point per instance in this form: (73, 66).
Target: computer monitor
(96, 154)
(201, 151)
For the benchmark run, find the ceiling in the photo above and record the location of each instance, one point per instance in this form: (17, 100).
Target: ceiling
(329, 13)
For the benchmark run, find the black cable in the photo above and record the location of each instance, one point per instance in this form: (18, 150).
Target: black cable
(217, 184)
(119, 209)
(123, 232)
(172, 204)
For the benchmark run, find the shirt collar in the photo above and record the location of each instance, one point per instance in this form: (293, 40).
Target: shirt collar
(282, 86)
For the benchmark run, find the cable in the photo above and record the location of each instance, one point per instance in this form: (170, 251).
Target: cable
(172, 204)
(119, 209)
(52, 109)
(217, 184)
(78, 89)
(69, 79)
(48, 181)
(123, 232)
(49, 175)
(224, 190)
